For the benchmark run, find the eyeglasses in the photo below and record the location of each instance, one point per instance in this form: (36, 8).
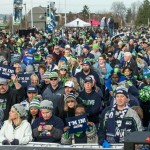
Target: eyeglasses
(53, 79)
(70, 101)
(63, 69)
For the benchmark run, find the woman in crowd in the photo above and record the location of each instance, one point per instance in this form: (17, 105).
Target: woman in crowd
(63, 74)
(103, 69)
(16, 130)
(33, 110)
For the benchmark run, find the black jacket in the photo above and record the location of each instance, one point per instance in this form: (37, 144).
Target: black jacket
(12, 97)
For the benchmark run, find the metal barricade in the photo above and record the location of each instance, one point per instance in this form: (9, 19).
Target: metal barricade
(54, 146)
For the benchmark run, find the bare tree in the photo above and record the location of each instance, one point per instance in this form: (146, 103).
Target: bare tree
(134, 9)
(119, 9)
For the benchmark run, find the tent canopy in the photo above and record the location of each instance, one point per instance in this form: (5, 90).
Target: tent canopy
(94, 22)
(77, 23)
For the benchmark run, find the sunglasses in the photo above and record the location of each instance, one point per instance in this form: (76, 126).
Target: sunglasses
(53, 79)
(70, 101)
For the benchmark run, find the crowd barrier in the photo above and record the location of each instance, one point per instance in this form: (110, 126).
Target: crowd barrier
(54, 146)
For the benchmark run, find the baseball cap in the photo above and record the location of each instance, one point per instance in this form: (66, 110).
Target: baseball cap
(32, 89)
(110, 54)
(53, 75)
(69, 84)
(3, 81)
(88, 79)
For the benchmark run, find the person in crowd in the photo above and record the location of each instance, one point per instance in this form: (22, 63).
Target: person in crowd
(32, 92)
(115, 120)
(86, 52)
(70, 104)
(91, 100)
(89, 136)
(112, 60)
(50, 66)
(147, 56)
(67, 53)
(9, 96)
(18, 68)
(35, 80)
(127, 72)
(34, 111)
(54, 91)
(80, 62)
(56, 54)
(73, 66)
(45, 81)
(16, 130)
(103, 68)
(129, 62)
(68, 88)
(41, 70)
(95, 51)
(63, 74)
(87, 70)
(47, 128)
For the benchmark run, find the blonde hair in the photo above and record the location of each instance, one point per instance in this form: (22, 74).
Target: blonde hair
(76, 84)
(19, 120)
(35, 76)
(66, 106)
(60, 63)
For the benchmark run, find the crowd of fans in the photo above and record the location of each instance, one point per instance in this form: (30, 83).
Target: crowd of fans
(83, 71)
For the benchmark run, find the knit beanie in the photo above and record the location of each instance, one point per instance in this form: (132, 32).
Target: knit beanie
(35, 103)
(46, 104)
(121, 91)
(20, 109)
(70, 95)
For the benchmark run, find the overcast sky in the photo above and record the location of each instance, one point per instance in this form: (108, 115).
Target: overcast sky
(6, 6)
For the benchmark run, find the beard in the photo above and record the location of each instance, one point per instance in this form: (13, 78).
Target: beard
(86, 70)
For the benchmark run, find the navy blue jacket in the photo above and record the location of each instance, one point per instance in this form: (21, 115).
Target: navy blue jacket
(92, 102)
(52, 136)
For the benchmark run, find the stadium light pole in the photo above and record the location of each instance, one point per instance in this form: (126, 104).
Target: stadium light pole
(31, 14)
(65, 13)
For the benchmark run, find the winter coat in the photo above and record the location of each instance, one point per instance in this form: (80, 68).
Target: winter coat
(108, 68)
(53, 95)
(11, 97)
(92, 102)
(131, 120)
(52, 136)
(22, 132)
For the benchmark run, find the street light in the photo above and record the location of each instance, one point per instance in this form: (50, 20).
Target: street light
(31, 14)
(65, 13)
(25, 15)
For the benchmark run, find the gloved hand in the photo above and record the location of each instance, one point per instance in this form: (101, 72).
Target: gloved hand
(5, 142)
(15, 142)
(106, 144)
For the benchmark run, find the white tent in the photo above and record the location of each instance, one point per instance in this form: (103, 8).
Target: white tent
(77, 23)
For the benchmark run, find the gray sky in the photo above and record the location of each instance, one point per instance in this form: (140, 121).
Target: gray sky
(6, 6)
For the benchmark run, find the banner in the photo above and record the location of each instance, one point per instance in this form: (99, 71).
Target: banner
(28, 60)
(77, 123)
(24, 79)
(6, 71)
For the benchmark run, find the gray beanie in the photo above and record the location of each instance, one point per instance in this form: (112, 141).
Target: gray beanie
(46, 104)
(20, 109)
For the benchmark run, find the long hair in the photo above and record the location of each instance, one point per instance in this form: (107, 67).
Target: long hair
(66, 106)
(19, 119)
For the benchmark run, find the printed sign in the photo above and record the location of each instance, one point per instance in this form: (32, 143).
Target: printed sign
(6, 71)
(24, 79)
(77, 123)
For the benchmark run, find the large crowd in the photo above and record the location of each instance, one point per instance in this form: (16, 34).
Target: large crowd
(82, 71)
